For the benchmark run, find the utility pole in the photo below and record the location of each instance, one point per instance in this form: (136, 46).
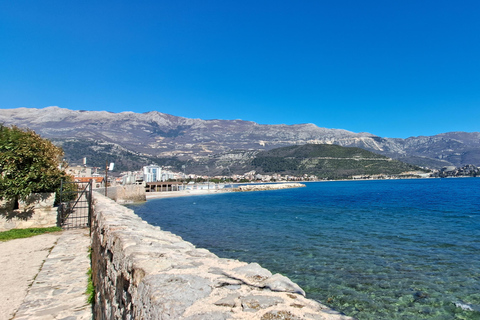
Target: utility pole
(106, 177)
(107, 167)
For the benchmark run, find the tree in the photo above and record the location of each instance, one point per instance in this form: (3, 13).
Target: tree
(28, 164)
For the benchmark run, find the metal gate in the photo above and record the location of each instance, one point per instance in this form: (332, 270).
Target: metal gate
(75, 208)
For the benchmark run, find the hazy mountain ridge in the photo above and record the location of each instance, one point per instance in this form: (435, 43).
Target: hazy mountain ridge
(155, 134)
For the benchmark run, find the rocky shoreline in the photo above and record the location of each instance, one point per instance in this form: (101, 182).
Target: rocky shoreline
(142, 271)
(264, 187)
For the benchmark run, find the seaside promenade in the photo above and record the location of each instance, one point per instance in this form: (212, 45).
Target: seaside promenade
(45, 277)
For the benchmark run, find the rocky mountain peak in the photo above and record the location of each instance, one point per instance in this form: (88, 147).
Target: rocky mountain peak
(162, 135)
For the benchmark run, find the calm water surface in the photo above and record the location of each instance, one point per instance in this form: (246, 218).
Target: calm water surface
(399, 249)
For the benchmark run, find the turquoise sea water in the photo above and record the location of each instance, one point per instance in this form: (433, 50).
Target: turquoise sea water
(396, 249)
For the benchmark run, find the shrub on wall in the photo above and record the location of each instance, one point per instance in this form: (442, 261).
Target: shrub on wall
(28, 164)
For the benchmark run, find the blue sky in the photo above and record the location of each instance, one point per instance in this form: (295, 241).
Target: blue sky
(391, 68)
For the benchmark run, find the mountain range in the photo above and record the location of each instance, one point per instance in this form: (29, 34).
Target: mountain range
(158, 136)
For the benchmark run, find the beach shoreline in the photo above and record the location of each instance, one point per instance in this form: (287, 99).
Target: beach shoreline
(184, 193)
(199, 192)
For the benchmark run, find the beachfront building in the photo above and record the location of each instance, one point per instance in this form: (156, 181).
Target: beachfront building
(167, 175)
(160, 186)
(135, 177)
(152, 173)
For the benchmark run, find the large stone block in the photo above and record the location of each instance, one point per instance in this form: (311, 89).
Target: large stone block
(36, 212)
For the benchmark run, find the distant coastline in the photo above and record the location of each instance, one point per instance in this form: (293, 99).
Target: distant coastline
(242, 188)
(202, 192)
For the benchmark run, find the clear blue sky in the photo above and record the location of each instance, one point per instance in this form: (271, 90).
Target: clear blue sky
(391, 68)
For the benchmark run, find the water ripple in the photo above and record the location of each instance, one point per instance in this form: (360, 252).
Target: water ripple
(404, 249)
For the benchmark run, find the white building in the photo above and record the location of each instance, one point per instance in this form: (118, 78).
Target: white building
(166, 175)
(132, 177)
(79, 171)
(152, 173)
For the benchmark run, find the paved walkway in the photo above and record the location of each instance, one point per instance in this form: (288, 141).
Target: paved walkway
(58, 290)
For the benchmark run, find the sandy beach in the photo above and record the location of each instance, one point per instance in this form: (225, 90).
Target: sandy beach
(243, 188)
(184, 193)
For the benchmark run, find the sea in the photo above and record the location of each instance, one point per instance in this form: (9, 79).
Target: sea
(385, 249)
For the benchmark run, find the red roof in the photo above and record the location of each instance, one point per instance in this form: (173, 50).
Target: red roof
(87, 179)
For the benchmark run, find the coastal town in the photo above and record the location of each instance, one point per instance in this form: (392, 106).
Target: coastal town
(156, 178)
(239, 160)
(152, 174)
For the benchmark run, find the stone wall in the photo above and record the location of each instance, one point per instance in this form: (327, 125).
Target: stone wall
(125, 194)
(36, 212)
(142, 272)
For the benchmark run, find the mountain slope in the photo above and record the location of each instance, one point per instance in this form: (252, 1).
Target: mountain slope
(154, 134)
(327, 161)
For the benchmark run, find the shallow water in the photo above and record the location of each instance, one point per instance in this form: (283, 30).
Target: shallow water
(397, 249)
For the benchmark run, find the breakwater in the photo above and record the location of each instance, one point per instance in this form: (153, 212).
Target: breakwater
(142, 272)
(263, 187)
(125, 194)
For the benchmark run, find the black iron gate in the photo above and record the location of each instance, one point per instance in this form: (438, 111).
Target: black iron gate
(75, 209)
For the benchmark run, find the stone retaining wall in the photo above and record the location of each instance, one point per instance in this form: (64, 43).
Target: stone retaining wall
(36, 212)
(142, 272)
(125, 194)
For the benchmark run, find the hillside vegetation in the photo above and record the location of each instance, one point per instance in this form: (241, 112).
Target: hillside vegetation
(98, 153)
(326, 161)
(155, 135)
(322, 160)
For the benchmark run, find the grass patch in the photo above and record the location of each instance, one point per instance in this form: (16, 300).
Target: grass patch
(25, 233)
(90, 292)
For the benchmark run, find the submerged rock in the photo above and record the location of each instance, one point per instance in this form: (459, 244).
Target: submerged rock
(281, 283)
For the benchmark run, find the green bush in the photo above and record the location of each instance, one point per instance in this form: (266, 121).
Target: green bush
(28, 164)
